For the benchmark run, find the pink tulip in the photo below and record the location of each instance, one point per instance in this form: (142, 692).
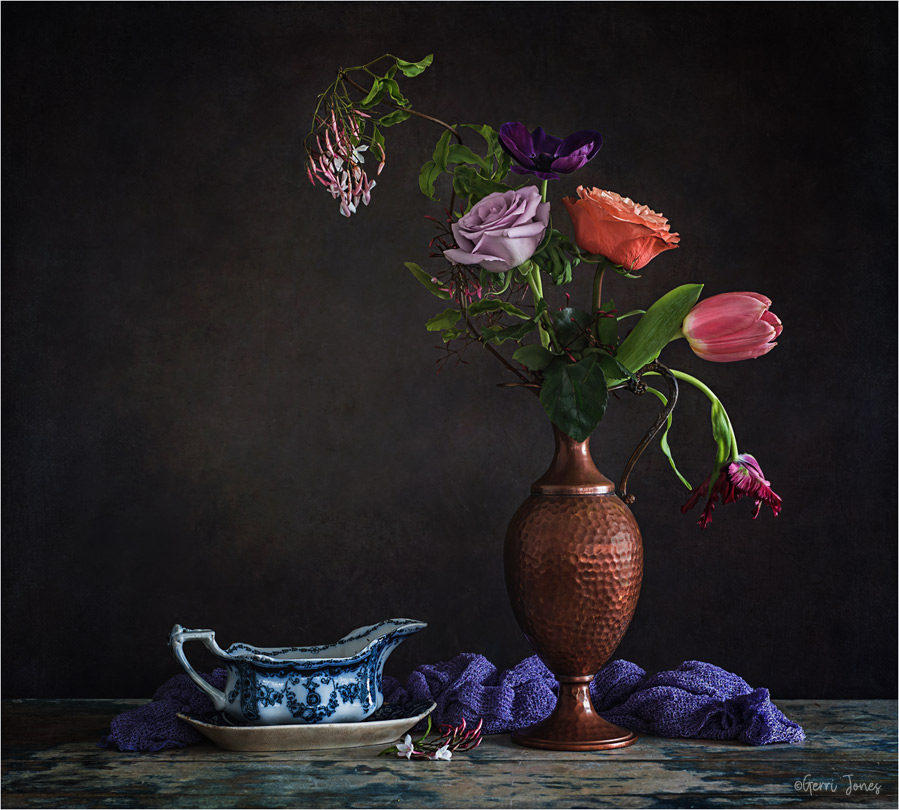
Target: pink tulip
(732, 326)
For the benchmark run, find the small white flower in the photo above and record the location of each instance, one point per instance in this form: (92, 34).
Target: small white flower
(405, 748)
(442, 753)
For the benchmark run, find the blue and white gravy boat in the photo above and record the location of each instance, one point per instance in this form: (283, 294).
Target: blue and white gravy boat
(332, 683)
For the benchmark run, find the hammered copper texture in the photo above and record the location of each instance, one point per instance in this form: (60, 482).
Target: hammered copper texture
(573, 568)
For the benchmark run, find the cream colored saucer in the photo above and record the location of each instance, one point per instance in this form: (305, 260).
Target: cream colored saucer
(307, 737)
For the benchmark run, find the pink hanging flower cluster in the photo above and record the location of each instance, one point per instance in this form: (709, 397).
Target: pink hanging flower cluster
(741, 478)
(337, 163)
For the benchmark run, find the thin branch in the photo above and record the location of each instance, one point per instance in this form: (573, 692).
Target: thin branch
(409, 110)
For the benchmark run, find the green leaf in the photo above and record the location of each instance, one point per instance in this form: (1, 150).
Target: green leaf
(391, 72)
(444, 320)
(517, 332)
(610, 365)
(394, 90)
(607, 328)
(504, 280)
(441, 151)
(503, 164)
(468, 183)
(631, 314)
(427, 179)
(431, 286)
(458, 153)
(395, 117)
(570, 326)
(451, 334)
(495, 305)
(488, 133)
(414, 68)
(657, 327)
(534, 357)
(574, 396)
(374, 95)
(552, 256)
(622, 272)
(377, 139)
(663, 442)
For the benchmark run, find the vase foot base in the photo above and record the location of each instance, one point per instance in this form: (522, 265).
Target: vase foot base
(574, 724)
(610, 736)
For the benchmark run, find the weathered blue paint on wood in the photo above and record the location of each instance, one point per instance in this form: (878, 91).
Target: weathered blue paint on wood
(50, 759)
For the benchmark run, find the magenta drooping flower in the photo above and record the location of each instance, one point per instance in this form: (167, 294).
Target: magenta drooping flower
(741, 478)
(545, 155)
(337, 163)
(732, 326)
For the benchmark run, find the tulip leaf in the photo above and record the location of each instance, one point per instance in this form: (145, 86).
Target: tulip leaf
(495, 305)
(574, 396)
(414, 68)
(396, 117)
(663, 442)
(431, 286)
(656, 328)
(444, 320)
(533, 356)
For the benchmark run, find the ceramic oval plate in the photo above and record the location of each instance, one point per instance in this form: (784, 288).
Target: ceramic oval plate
(373, 731)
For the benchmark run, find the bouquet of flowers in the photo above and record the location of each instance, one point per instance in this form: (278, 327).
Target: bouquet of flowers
(496, 248)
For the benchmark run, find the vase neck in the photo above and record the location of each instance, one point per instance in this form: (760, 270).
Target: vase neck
(572, 471)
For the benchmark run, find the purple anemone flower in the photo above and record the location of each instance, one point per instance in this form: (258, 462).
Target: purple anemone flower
(544, 155)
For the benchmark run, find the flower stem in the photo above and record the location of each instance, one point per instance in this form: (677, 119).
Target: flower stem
(536, 285)
(597, 286)
(701, 386)
(543, 190)
(409, 110)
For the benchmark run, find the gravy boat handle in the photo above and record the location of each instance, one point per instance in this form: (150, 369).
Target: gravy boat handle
(177, 638)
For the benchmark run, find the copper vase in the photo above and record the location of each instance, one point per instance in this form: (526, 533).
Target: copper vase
(574, 563)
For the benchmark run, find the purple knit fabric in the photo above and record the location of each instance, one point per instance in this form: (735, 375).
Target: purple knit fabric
(695, 700)
(155, 726)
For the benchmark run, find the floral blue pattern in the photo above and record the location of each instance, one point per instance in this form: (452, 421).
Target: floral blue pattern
(303, 684)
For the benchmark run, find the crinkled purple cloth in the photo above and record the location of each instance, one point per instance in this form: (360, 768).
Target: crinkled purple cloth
(695, 700)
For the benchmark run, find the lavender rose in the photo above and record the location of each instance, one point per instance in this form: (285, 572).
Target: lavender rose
(502, 231)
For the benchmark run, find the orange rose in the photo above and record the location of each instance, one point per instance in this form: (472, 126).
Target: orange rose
(616, 227)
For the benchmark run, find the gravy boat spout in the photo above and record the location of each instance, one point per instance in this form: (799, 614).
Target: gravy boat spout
(329, 683)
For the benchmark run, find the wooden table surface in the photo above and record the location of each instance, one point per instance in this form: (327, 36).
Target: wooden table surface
(50, 759)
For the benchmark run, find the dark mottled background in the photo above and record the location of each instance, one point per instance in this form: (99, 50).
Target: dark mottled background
(220, 404)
